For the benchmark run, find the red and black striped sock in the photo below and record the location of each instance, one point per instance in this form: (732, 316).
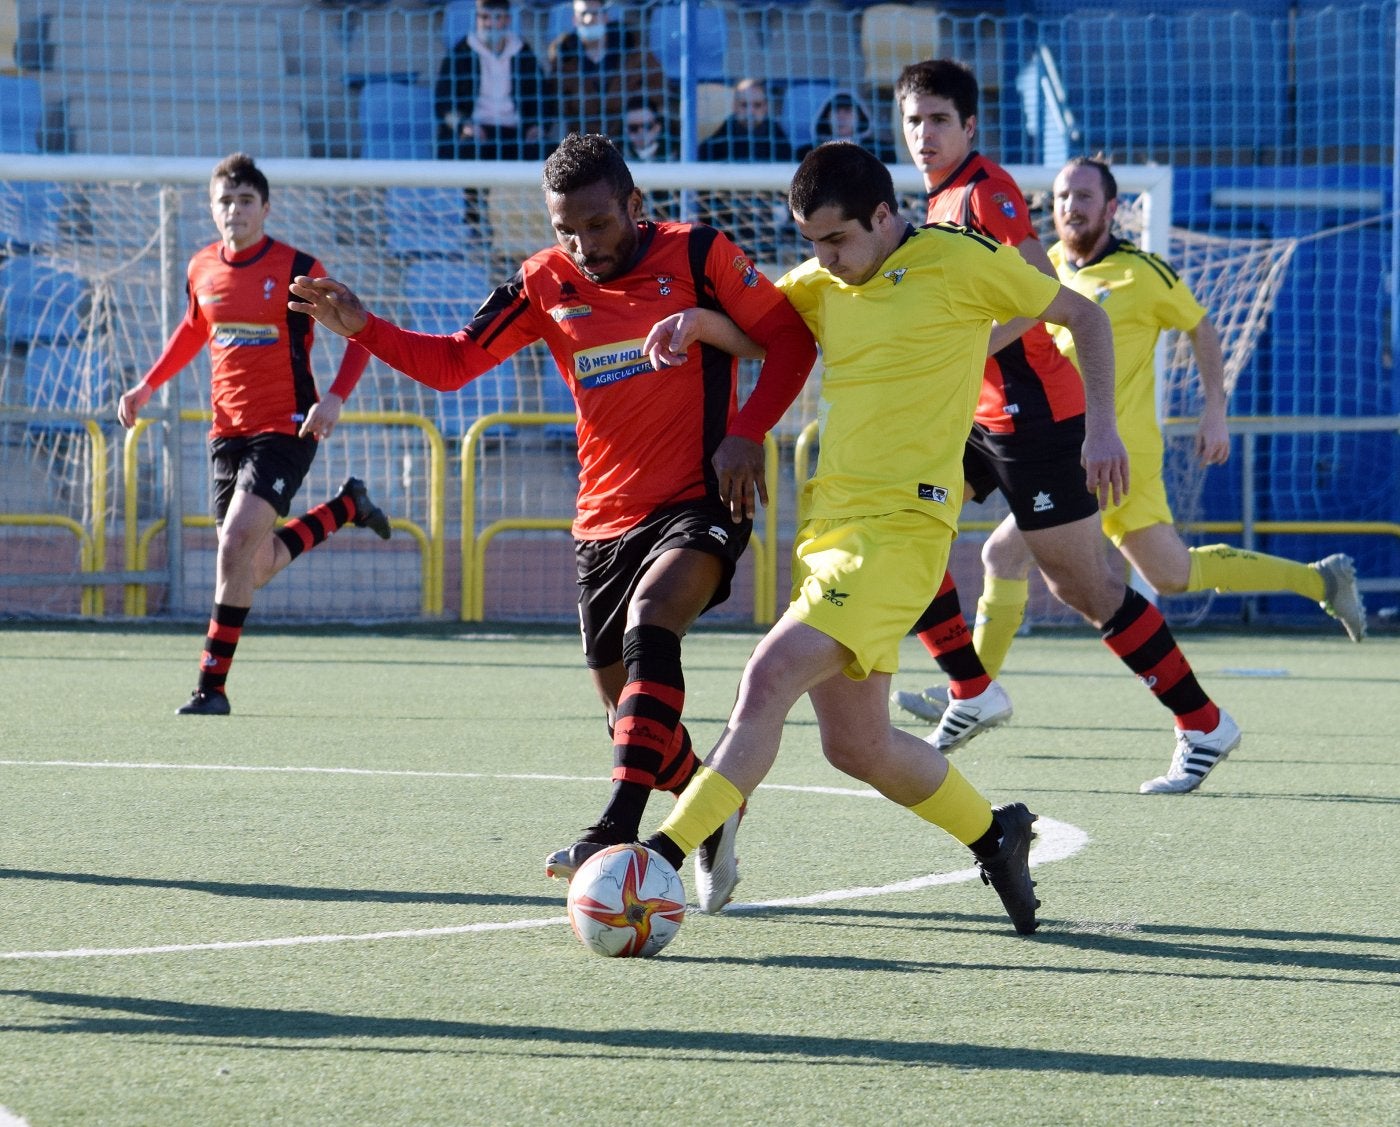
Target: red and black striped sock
(943, 631)
(225, 628)
(311, 528)
(1143, 641)
(651, 748)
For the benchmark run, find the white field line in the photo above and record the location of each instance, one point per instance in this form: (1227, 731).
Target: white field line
(1055, 842)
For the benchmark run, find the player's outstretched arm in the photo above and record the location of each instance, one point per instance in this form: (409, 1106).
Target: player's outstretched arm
(1105, 458)
(1213, 433)
(332, 303)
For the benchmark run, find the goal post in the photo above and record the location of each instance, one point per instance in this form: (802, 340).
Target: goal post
(422, 243)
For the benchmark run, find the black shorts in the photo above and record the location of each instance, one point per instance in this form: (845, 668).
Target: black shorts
(271, 466)
(610, 570)
(1039, 473)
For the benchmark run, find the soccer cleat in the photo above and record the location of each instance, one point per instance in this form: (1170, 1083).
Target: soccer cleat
(927, 705)
(717, 865)
(1008, 870)
(967, 718)
(1343, 600)
(563, 863)
(205, 704)
(1196, 755)
(367, 513)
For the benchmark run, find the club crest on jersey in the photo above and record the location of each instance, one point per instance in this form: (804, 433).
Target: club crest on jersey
(569, 312)
(663, 282)
(896, 276)
(609, 363)
(936, 493)
(269, 287)
(1008, 208)
(1102, 294)
(747, 269)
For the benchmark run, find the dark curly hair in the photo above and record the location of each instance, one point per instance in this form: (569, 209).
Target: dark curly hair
(583, 159)
(238, 168)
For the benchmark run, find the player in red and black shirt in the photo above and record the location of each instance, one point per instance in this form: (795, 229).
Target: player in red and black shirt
(1037, 427)
(268, 417)
(668, 464)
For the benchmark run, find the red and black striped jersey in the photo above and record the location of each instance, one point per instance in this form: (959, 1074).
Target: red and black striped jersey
(1029, 382)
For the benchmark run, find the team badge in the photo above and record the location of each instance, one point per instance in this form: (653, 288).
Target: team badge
(1043, 504)
(269, 286)
(747, 269)
(1008, 208)
(937, 493)
(664, 282)
(896, 276)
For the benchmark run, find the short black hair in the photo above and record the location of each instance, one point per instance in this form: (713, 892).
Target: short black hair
(238, 168)
(942, 78)
(841, 174)
(584, 159)
(1099, 163)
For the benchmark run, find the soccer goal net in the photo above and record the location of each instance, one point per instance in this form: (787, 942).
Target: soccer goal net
(479, 514)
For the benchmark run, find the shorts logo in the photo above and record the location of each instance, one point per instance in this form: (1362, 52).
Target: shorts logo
(279, 486)
(569, 312)
(718, 533)
(933, 493)
(1043, 504)
(609, 363)
(835, 597)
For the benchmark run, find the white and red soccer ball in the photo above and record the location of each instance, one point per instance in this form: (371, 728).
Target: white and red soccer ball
(626, 902)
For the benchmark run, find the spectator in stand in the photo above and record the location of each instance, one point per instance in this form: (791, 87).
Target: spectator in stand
(492, 98)
(844, 118)
(597, 67)
(750, 135)
(648, 140)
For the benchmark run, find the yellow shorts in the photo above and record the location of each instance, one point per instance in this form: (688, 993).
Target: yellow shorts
(1145, 505)
(864, 581)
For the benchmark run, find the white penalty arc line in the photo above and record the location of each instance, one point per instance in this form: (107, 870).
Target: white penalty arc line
(1055, 841)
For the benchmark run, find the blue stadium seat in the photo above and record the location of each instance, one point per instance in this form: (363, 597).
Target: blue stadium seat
(396, 122)
(1344, 58)
(427, 222)
(66, 379)
(40, 303)
(802, 101)
(489, 393)
(709, 42)
(443, 293)
(21, 114)
(29, 214)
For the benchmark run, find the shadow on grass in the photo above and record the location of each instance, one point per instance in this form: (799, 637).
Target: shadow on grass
(106, 1015)
(310, 893)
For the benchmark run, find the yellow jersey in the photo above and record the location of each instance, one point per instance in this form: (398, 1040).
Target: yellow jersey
(1142, 296)
(902, 359)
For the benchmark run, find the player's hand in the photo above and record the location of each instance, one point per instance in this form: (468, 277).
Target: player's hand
(332, 303)
(739, 466)
(1213, 438)
(322, 417)
(1105, 461)
(670, 338)
(130, 404)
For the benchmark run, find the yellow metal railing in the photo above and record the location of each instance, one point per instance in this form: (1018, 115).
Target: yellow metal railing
(431, 543)
(474, 544)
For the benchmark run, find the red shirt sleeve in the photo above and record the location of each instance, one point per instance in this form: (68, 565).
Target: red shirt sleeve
(182, 347)
(999, 209)
(791, 351)
(352, 367)
(441, 362)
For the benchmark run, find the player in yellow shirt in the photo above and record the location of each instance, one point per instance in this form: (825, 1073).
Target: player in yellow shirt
(1143, 296)
(903, 318)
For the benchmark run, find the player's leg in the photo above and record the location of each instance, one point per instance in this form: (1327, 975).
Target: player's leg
(350, 505)
(858, 739)
(1006, 565)
(667, 571)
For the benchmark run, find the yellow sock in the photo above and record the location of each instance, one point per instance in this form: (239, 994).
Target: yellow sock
(956, 806)
(1234, 569)
(705, 805)
(1000, 612)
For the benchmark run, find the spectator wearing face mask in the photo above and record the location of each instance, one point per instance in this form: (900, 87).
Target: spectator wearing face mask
(597, 67)
(492, 98)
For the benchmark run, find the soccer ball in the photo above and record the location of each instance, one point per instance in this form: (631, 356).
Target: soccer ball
(626, 902)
